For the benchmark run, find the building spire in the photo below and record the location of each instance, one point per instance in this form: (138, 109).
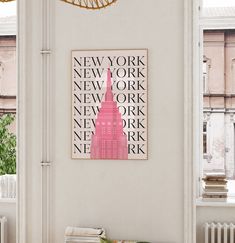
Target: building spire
(109, 140)
(109, 92)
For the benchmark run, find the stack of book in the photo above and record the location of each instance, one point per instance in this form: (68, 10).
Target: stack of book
(84, 235)
(215, 188)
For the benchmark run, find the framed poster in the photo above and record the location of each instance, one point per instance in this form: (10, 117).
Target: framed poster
(109, 104)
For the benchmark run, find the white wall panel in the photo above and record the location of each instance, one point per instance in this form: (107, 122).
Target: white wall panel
(131, 199)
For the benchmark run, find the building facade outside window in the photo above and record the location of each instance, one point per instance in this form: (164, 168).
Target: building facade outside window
(8, 92)
(219, 102)
(8, 84)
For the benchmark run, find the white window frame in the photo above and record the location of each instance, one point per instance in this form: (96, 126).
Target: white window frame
(21, 123)
(191, 119)
(193, 108)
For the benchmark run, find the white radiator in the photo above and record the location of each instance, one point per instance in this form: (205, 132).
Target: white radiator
(8, 186)
(219, 233)
(3, 230)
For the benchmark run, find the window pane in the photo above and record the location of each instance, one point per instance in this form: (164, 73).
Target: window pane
(219, 101)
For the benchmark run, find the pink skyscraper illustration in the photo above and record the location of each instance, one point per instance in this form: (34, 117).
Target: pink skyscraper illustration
(109, 140)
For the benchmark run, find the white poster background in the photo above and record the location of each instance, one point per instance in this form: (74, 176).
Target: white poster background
(129, 85)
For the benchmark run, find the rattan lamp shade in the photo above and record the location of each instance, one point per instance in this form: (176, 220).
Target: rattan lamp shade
(91, 4)
(4, 1)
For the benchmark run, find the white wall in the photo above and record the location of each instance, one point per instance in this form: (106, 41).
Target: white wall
(130, 199)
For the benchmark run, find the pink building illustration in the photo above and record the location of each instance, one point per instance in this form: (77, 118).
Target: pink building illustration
(109, 140)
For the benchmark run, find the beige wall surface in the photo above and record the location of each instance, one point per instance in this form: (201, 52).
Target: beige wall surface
(7, 65)
(131, 199)
(214, 50)
(230, 68)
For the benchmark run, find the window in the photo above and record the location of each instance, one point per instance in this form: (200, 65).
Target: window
(109, 129)
(8, 91)
(205, 76)
(103, 130)
(204, 138)
(205, 70)
(217, 57)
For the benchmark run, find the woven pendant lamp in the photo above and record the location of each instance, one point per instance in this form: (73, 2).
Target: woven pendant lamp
(91, 4)
(4, 1)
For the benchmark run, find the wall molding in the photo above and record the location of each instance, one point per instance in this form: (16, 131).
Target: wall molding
(21, 123)
(46, 78)
(46, 66)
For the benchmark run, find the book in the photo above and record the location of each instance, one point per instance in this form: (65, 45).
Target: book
(215, 182)
(83, 235)
(82, 240)
(214, 199)
(215, 193)
(84, 232)
(214, 196)
(215, 189)
(215, 175)
(213, 179)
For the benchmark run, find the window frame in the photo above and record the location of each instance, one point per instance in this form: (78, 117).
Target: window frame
(205, 24)
(191, 27)
(45, 46)
(21, 43)
(192, 142)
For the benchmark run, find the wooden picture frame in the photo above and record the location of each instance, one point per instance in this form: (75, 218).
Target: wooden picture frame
(95, 130)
